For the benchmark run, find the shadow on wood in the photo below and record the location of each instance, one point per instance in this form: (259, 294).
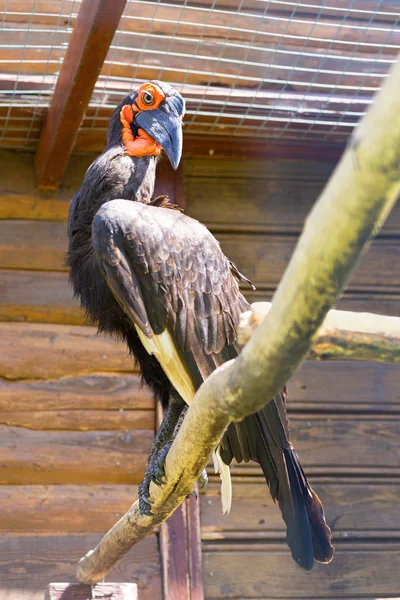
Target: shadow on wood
(101, 591)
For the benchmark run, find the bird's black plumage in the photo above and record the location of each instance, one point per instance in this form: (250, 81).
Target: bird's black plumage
(141, 269)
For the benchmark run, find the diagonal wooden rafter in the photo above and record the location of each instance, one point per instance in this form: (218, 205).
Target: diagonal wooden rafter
(96, 24)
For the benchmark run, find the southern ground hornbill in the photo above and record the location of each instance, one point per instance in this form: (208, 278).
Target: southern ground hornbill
(159, 280)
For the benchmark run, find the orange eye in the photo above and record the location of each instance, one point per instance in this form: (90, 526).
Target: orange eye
(149, 95)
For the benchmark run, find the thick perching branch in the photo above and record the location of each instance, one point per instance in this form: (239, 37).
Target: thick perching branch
(342, 336)
(353, 206)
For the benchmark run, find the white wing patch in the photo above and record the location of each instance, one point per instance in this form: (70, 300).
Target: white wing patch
(164, 349)
(226, 483)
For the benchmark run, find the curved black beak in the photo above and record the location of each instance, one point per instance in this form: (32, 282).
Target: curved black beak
(164, 125)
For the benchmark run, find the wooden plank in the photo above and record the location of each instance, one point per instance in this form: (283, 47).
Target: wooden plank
(102, 591)
(100, 391)
(46, 297)
(180, 546)
(48, 12)
(80, 420)
(16, 206)
(364, 509)
(62, 349)
(33, 245)
(198, 144)
(348, 445)
(73, 456)
(38, 296)
(345, 387)
(208, 168)
(92, 35)
(29, 562)
(262, 258)
(20, 199)
(43, 509)
(194, 543)
(169, 182)
(174, 556)
(270, 572)
(359, 445)
(282, 193)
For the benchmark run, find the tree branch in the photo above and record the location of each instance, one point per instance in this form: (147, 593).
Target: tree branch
(353, 206)
(342, 336)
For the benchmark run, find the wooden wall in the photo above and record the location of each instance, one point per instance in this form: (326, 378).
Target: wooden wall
(76, 427)
(344, 416)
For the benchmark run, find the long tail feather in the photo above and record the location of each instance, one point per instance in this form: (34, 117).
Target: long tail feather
(266, 436)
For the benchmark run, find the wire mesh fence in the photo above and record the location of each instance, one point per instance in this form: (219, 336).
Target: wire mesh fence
(276, 69)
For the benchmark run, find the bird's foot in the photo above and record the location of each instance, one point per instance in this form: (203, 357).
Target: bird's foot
(157, 467)
(156, 474)
(144, 496)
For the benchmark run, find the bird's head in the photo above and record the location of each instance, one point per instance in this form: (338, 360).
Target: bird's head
(149, 120)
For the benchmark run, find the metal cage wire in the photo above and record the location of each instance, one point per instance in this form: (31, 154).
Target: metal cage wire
(274, 69)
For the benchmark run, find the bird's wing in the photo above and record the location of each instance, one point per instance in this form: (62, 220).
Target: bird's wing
(174, 282)
(172, 279)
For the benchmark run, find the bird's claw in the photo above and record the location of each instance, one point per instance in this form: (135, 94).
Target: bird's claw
(193, 493)
(203, 479)
(144, 497)
(157, 467)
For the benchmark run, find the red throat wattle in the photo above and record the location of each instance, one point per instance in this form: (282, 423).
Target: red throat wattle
(142, 144)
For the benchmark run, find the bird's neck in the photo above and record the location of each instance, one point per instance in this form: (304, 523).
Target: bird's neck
(112, 175)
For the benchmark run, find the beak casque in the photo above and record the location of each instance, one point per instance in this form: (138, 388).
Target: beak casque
(165, 128)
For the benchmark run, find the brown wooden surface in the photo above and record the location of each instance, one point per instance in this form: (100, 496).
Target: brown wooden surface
(339, 444)
(194, 545)
(344, 387)
(80, 420)
(262, 258)
(30, 456)
(46, 297)
(104, 391)
(268, 571)
(258, 195)
(63, 509)
(29, 562)
(358, 508)
(42, 351)
(38, 296)
(344, 417)
(180, 548)
(45, 457)
(174, 556)
(102, 591)
(180, 545)
(91, 37)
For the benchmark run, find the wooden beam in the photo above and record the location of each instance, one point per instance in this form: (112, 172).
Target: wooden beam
(170, 183)
(90, 40)
(180, 546)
